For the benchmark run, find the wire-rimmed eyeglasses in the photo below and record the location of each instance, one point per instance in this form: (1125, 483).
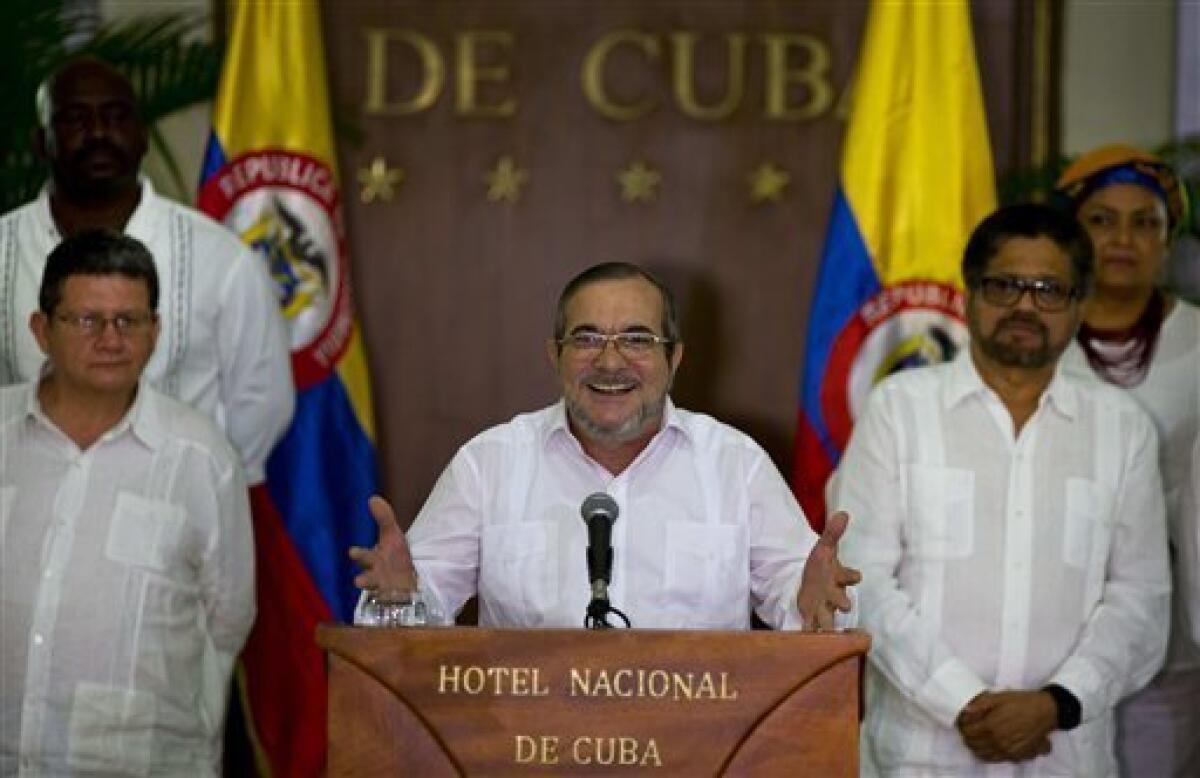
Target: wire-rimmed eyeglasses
(636, 343)
(92, 325)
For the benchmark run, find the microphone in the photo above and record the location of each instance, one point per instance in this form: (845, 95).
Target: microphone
(599, 511)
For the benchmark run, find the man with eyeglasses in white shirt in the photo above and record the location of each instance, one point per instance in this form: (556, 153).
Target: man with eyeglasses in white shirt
(707, 528)
(126, 553)
(1011, 532)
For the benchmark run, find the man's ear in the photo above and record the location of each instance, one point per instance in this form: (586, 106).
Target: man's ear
(38, 324)
(676, 357)
(553, 352)
(154, 331)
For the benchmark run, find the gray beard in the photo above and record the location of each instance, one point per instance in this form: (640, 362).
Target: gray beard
(646, 417)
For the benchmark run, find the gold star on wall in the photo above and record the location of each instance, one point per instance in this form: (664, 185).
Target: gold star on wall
(505, 181)
(379, 181)
(639, 183)
(767, 183)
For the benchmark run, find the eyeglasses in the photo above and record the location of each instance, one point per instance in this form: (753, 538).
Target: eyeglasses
(630, 344)
(92, 325)
(1048, 295)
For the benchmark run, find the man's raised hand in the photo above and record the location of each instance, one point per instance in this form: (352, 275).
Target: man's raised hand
(823, 584)
(388, 565)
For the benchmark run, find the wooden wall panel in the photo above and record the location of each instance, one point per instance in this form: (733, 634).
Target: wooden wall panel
(456, 292)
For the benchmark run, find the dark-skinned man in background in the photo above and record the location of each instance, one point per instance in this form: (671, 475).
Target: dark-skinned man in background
(223, 348)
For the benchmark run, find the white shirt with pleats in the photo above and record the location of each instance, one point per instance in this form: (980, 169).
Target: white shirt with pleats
(994, 560)
(707, 528)
(126, 591)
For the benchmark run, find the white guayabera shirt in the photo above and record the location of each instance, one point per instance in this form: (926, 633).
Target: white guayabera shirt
(707, 528)
(1170, 394)
(992, 561)
(222, 348)
(126, 591)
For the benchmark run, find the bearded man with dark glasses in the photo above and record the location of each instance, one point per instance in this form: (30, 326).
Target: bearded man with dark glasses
(1011, 531)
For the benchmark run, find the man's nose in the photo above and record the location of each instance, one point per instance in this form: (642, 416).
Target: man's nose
(1025, 301)
(610, 354)
(97, 125)
(109, 337)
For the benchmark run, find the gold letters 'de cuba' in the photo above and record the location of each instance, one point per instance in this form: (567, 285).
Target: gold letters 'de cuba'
(796, 85)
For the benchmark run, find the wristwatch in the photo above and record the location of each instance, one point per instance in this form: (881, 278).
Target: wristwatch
(1069, 710)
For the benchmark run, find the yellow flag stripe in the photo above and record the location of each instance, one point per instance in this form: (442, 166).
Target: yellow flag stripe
(352, 369)
(277, 102)
(917, 164)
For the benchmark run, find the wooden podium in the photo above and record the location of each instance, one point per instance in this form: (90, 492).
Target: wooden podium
(489, 702)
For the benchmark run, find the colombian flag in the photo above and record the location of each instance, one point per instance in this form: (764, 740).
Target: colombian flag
(916, 177)
(270, 174)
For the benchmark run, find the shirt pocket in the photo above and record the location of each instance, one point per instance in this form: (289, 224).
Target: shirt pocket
(941, 502)
(1087, 521)
(707, 570)
(519, 564)
(111, 729)
(147, 534)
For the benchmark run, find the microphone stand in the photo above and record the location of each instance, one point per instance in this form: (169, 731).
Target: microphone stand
(599, 609)
(599, 511)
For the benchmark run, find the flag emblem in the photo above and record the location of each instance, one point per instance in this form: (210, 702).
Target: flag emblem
(907, 325)
(284, 205)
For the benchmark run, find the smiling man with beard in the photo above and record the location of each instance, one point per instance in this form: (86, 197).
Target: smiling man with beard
(708, 530)
(1011, 532)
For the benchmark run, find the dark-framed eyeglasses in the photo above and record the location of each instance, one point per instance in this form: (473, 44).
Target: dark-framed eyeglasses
(632, 344)
(1048, 294)
(92, 325)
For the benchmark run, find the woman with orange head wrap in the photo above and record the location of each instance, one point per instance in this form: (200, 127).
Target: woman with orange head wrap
(1138, 336)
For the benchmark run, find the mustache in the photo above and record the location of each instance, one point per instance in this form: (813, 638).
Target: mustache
(600, 375)
(98, 145)
(1023, 317)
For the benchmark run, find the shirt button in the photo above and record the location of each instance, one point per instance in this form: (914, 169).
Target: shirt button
(37, 639)
(48, 574)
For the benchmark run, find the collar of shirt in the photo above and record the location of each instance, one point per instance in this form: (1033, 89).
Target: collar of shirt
(557, 427)
(964, 381)
(143, 418)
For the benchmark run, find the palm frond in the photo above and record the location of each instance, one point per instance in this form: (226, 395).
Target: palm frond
(33, 40)
(170, 69)
(160, 145)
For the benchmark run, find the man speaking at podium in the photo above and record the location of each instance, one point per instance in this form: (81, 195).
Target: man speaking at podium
(707, 528)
